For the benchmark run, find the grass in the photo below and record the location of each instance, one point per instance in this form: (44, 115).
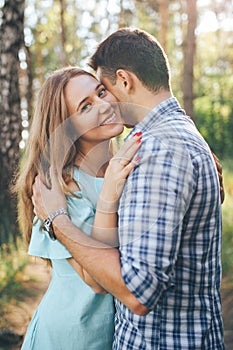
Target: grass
(13, 259)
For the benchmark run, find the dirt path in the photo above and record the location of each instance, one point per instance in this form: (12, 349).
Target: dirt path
(35, 279)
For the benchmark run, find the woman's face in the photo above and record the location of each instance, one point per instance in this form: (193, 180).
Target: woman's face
(93, 110)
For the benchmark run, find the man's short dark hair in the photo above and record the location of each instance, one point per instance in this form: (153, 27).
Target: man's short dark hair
(136, 51)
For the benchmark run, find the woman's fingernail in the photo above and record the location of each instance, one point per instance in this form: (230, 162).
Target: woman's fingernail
(137, 158)
(139, 141)
(138, 133)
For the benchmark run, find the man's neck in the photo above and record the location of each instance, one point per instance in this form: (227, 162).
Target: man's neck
(141, 103)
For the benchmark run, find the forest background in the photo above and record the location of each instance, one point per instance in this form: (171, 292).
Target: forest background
(37, 37)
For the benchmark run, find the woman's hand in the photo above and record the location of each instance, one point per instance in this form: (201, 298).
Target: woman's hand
(105, 226)
(220, 176)
(119, 168)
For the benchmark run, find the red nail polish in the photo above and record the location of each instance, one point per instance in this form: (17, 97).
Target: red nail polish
(139, 141)
(138, 133)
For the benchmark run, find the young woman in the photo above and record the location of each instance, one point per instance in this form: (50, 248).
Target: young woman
(71, 132)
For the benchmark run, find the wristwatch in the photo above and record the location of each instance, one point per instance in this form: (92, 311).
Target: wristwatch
(48, 223)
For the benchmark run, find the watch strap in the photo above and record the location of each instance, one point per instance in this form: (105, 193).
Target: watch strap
(47, 224)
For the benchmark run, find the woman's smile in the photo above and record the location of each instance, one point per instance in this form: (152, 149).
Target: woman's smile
(110, 119)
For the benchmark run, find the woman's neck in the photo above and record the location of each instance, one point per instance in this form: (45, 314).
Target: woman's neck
(93, 159)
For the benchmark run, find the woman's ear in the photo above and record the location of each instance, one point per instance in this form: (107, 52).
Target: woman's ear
(125, 78)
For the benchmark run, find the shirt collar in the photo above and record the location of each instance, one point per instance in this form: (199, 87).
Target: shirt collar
(157, 114)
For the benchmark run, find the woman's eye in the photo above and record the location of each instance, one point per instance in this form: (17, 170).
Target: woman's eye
(85, 107)
(102, 92)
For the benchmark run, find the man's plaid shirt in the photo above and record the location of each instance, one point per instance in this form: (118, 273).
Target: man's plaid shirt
(170, 239)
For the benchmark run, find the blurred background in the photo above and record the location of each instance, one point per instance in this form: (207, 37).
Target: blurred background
(37, 37)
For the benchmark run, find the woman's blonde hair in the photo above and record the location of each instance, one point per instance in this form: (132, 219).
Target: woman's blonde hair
(52, 142)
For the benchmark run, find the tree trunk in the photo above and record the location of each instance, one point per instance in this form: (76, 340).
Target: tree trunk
(163, 11)
(64, 60)
(121, 20)
(29, 91)
(11, 38)
(189, 47)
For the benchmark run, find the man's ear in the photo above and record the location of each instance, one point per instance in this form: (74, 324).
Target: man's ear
(125, 78)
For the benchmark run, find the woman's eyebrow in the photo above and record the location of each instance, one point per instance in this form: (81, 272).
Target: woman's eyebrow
(97, 86)
(86, 98)
(81, 102)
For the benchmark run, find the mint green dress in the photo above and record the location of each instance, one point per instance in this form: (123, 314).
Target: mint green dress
(70, 316)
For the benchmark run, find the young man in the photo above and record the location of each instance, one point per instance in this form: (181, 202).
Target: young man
(166, 274)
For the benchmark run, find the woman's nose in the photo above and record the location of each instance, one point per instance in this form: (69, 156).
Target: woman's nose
(104, 106)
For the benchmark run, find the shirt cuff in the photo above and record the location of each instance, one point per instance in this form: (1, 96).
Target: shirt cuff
(147, 287)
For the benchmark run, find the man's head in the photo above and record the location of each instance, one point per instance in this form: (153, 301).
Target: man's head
(134, 51)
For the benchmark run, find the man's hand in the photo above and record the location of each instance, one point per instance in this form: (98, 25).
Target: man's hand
(220, 177)
(46, 201)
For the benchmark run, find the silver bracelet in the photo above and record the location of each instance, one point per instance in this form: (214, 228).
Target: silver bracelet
(61, 211)
(47, 225)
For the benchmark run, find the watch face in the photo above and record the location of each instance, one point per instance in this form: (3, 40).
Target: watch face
(47, 225)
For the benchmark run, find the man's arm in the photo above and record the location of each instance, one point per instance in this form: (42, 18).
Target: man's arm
(101, 261)
(98, 259)
(86, 277)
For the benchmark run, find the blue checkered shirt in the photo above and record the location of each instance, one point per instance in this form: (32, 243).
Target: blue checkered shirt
(170, 239)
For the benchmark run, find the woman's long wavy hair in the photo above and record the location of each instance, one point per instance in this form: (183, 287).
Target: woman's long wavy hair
(52, 142)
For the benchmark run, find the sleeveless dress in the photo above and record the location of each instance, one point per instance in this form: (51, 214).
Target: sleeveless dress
(70, 316)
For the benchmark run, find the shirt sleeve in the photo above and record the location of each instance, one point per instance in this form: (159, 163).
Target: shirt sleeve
(151, 212)
(43, 246)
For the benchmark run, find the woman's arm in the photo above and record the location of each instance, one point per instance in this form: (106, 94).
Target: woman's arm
(72, 186)
(105, 227)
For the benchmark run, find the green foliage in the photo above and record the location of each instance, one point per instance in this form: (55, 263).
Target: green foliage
(214, 119)
(87, 23)
(214, 89)
(12, 261)
(147, 17)
(227, 212)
